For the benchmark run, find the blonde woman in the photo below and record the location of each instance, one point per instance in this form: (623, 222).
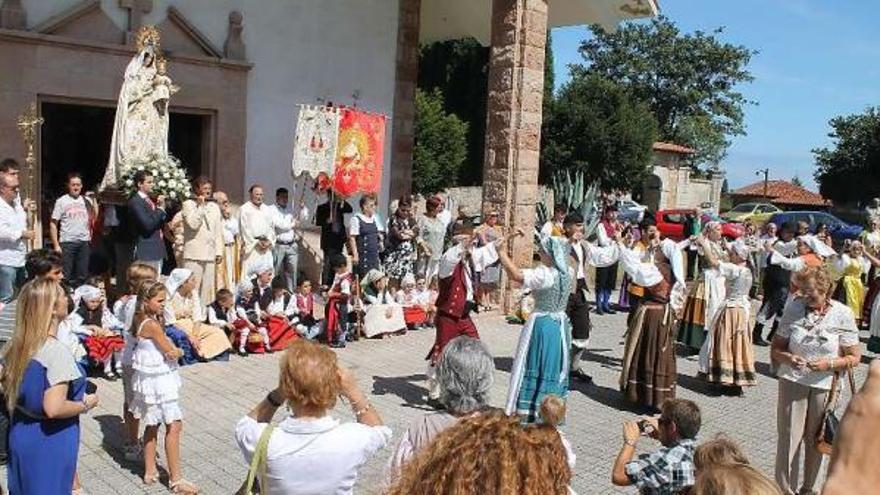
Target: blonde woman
(45, 394)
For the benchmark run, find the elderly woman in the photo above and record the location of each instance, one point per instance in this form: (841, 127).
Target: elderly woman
(707, 295)
(308, 440)
(465, 374)
(185, 311)
(817, 337)
(403, 234)
(432, 230)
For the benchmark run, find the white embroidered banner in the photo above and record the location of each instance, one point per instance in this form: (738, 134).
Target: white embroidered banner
(314, 145)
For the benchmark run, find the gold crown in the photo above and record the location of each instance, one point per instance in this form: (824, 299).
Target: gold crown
(147, 35)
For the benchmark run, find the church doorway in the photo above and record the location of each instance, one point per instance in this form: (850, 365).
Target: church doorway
(75, 137)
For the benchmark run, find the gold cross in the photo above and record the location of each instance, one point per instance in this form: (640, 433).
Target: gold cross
(28, 123)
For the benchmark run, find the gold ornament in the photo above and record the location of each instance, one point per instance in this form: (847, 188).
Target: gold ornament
(148, 35)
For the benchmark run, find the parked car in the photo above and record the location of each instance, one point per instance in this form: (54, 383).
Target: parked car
(758, 213)
(671, 224)
(630, 211)
(840, 231)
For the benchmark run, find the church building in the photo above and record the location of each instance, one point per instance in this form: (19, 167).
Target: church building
(245, 66)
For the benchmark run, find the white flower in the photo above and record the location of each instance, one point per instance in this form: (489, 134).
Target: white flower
(162, 183)
(129, 182)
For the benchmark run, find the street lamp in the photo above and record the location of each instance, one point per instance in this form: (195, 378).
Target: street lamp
(766, 173)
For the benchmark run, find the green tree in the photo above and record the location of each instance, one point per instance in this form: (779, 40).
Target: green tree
(549, 74)
(440, 144)
(689, 80)
(797, 181)
(849, 170)
(725, 187)
(460, 70)
(597, 126)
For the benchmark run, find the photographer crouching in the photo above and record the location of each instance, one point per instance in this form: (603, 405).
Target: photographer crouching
(668, 470)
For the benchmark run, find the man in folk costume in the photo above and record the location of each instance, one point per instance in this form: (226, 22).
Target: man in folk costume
(229, 268)
(649, 369)
(578, 307)
(455, 301)
(775, 284)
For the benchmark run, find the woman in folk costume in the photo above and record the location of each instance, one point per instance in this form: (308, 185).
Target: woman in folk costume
(871, 240)
(382, 314)
(851, 266)
(100, 330)
(707, 294)
(649, 371)
(184, 310)
(541, 363)
(727, 357)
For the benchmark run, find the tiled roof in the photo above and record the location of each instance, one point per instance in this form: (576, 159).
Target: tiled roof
(782, 192)
(673, 148)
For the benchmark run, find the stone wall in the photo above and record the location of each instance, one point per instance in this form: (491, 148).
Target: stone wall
(679, 189)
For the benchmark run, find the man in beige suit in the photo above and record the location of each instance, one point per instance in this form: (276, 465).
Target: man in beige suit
(202, 238)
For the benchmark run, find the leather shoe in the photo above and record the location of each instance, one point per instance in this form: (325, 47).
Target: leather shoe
(579, 375)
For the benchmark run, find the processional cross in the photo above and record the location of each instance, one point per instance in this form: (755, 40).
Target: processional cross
(28, 123)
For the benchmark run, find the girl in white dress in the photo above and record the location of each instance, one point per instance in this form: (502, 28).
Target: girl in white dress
(156, 386)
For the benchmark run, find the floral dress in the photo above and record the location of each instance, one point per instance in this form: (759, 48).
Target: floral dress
(400, 257)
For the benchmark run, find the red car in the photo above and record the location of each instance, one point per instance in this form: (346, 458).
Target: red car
(671, 224)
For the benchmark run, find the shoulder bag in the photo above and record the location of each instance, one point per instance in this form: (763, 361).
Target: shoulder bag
(830, 426)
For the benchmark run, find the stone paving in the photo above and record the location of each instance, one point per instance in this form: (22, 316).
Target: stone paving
(391, 371)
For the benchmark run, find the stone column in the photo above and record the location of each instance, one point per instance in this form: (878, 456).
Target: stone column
(513, 128)
(403, 118)
(12, 15)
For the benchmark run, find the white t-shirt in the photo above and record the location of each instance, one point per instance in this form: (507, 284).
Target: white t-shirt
(354, 227)
(72, 216)
(312, 456)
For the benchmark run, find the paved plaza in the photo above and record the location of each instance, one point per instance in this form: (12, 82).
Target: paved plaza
(391, 371)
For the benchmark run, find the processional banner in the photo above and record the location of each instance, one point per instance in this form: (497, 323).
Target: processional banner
(314, 146)
(360, 153)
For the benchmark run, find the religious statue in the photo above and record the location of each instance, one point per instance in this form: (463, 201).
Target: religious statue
(140, 131)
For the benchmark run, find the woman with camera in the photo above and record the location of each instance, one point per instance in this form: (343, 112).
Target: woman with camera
(817, 338)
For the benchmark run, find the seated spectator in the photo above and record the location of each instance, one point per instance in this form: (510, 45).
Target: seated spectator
(249, 320)
(223, 313)
(99, 330)
(382, 315)
(409, 297)
(427, 297)
(469, 456)
(465, 375)
(670, 469)
(734, 479)
(339, 303)
(184, 310)
(280, 314)
(308, 326)
(309, 439)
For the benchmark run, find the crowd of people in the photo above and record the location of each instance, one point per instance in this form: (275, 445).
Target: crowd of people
(135, 291)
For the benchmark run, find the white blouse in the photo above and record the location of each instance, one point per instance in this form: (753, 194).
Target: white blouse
(812, 336)
(317, 456)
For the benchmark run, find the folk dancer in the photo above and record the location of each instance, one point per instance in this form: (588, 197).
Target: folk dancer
(775, 283)
(649, 370)
(707, 294)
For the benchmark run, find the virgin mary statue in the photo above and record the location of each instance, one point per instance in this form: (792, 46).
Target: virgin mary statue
(140, 131)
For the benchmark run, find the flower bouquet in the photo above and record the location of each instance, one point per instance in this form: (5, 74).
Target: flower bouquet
(169, 174)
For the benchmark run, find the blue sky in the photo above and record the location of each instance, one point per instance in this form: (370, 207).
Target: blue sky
(817, 59)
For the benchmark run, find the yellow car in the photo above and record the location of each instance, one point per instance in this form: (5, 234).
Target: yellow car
(757, 213)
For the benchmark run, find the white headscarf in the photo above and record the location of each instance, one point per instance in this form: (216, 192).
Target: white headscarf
(85, 293)
(243, 286)
(817, 246)
(259, 267)
(176, 279)
(740, 248)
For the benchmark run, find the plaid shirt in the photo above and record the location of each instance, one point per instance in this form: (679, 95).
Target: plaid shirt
(664, 472)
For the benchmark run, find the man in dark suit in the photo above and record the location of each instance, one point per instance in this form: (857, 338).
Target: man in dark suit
(146, 218)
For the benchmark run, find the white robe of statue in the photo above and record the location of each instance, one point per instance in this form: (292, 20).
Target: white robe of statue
(141, 127)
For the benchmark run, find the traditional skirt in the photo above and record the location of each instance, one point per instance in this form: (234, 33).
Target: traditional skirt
(731, 358)
(692, 329)
(540, 366)
(101, 349)
(649, 371)
(873, 290)
(212, 340)
(623, 295)
(280, 333)
(854, 291)
(447, 328)
(254, 344)
(414, 315)
(179, 338)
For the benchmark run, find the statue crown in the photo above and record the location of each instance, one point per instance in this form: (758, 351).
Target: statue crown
(146, 36)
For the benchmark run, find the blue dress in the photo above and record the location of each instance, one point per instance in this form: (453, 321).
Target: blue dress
(178, 338)
(31, 470)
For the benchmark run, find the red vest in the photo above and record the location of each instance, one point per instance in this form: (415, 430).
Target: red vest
(452, 299)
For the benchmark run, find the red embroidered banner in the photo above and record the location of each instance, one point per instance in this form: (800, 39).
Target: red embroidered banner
(359, 153)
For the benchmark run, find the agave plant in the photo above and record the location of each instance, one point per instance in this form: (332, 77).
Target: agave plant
(589, 209)
(568, 190)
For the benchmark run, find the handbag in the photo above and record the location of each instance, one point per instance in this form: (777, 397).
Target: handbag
(258, 462)
(830, 426)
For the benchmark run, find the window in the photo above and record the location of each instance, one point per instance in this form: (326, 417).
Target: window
(767, 209)
(744, 208)
(673, 218)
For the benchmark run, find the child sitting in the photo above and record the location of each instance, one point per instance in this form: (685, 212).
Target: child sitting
(408, 296)
(282, 312)
(222, 313)
(382, 315)
(100, 331)
(308, 326)
(248, 322)
(427, 297)
(339, 302)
